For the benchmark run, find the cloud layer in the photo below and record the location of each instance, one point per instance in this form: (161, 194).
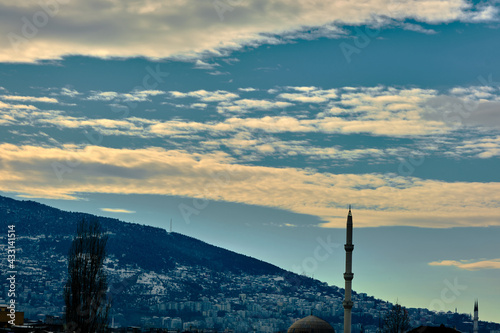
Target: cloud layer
(239, 131)
(469, 265)
(373, 110)
(51, 29)
(117, 210)
(253, 128)
(64, 172)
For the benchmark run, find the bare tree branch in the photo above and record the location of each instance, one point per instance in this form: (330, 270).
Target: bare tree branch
(397, 320)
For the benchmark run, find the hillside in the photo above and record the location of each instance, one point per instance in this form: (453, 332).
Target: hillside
(147, 266)
(161, 279)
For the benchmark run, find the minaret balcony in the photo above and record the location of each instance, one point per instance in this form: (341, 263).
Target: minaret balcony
(347, 304)
(348, 276)
(349, 247)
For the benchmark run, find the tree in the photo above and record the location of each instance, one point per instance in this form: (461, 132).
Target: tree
(397, 320)
(87, 306)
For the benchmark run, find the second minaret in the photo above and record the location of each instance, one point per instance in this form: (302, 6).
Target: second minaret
(476, 318)
(348, 275)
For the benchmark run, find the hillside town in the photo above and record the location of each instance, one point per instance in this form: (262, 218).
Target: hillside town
(192, 298)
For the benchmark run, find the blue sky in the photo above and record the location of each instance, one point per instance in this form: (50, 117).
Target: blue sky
(253, 125)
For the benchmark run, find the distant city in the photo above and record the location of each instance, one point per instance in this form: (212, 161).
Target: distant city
(261, 307)
(189, 291)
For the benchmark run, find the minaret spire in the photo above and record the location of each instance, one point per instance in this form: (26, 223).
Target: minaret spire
(348, 275)
(476, 317)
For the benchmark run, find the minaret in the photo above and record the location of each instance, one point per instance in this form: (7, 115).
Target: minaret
(348, 275)
(476, 318)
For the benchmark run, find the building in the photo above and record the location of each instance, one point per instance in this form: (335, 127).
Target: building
(348, 275)
(432, 329)
(313, 324)
(5, 318)
(476, 317)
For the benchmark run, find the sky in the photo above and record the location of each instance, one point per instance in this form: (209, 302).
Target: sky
(253, 124)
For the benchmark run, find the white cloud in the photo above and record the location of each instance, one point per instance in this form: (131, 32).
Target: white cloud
(476, 93)
(199, 64)
(486, 13)
(304, 89)
(199, 105)
(418, 28)
(8, 106)
(69, 92)
(142, 95)
(16, 113)
(206, 96)
(103, 96)
(377, 111)
(189, 28)
(309, 95)
(251, 147)
(244, 105)
(29, 99)
(64, 172)
(133, 96)
(482, 147)
(218, 73)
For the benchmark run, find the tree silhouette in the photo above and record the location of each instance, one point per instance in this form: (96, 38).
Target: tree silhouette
(87, 306)
(397, 320)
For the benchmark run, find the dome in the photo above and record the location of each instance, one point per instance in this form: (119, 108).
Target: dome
(311, 324)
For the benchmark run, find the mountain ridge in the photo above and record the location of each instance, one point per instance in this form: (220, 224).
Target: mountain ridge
(157, 277)
(67, 224)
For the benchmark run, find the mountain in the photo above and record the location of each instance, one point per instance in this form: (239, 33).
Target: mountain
(147, 266)
(132, 244)
(161, 279)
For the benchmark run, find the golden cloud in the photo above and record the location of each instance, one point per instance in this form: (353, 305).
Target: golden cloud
(117, 210)
(469, 265)
(63, 173)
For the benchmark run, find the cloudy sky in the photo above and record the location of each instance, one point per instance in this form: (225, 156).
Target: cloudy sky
(253, 124)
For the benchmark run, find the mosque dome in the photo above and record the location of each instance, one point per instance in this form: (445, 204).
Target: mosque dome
(311, 324)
